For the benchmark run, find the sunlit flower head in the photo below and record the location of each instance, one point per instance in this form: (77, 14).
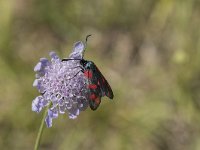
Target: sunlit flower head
(62, 85)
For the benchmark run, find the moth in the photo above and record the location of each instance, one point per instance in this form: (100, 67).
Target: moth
(97, 85)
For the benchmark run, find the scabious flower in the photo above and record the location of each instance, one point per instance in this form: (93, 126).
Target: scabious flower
(62, 85)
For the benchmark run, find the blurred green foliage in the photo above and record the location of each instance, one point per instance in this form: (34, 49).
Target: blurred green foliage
(148, 50)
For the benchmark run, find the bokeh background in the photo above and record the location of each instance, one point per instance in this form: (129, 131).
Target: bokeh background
(149, 51)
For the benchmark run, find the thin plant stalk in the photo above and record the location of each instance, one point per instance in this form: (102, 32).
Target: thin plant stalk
(39, 135)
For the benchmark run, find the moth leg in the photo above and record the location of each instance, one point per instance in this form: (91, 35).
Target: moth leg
(77, 67)
(67, 59)
(82, 70)
(75, 75)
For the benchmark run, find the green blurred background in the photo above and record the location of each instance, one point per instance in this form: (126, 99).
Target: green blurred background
(149, 51)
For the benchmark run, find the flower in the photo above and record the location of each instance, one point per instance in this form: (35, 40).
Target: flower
(62, 85)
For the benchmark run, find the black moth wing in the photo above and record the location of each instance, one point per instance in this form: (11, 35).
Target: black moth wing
(102, 83)
(95, 93)
(97, 84)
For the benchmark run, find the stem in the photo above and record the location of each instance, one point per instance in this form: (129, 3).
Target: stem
(39, 135)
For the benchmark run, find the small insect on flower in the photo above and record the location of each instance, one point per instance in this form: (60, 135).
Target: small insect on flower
(69, 85)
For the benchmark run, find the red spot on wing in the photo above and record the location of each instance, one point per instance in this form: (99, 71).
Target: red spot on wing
(88, 74)
(92, 86)
(98, 100)
(108, 94)
(93, 96)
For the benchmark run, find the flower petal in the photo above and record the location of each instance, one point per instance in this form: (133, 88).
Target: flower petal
(38, 85)
(62, 109)
(73, 113)
(48, 121)
(53, 55)
(77, 51)
(44, 61)
(82, 104)
(38, 67)
(72, 116)
(78, 47)
(53, 112)
(35, 83)
(37, 104)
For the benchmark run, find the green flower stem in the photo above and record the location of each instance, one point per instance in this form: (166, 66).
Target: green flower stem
(39, 135)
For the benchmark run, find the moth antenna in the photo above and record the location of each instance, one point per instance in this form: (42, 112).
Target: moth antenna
(86, 39)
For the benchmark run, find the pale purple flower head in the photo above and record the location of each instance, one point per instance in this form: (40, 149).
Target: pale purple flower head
(62, 85)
